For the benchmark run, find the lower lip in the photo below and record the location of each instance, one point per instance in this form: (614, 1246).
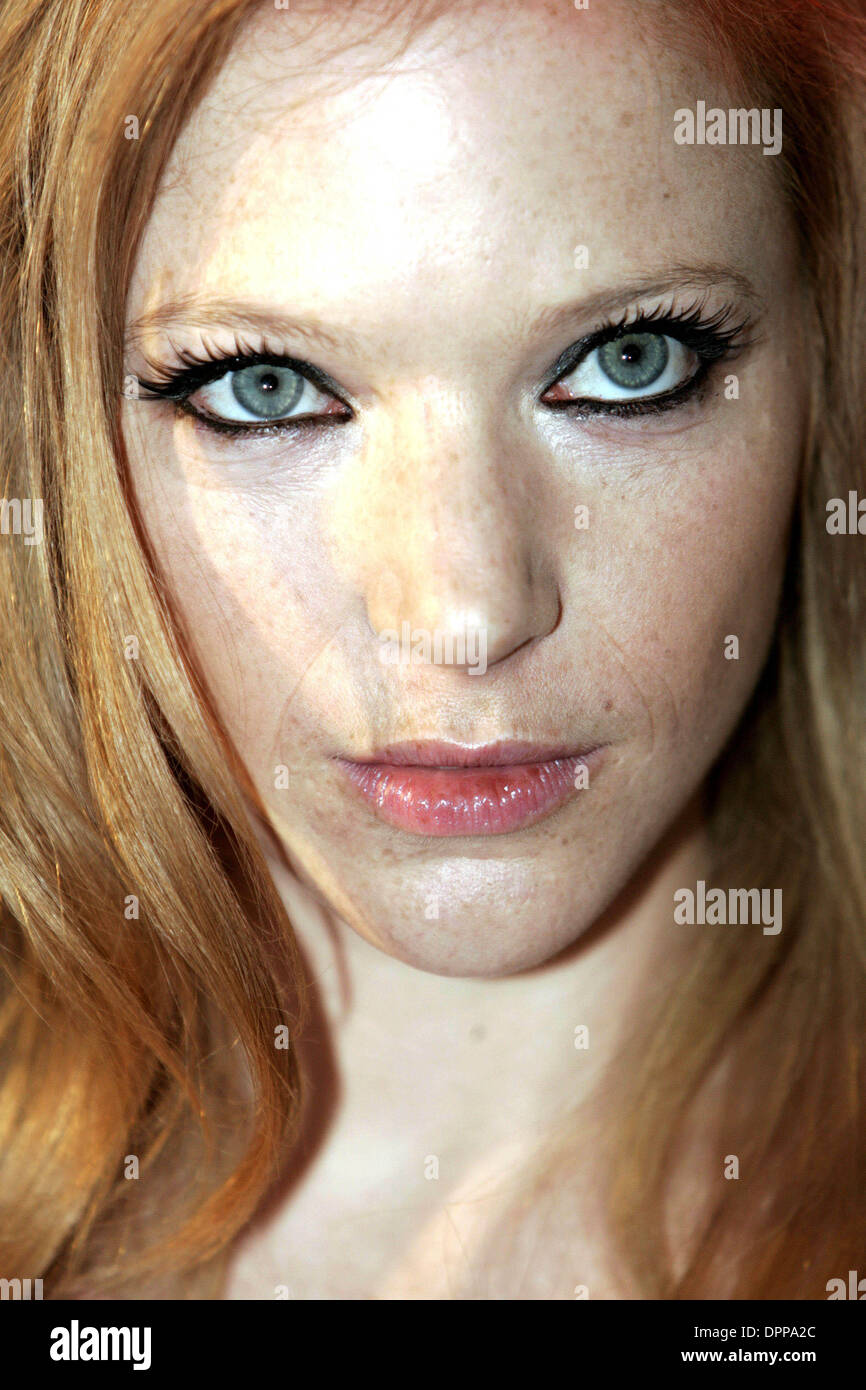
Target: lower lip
(467, 800)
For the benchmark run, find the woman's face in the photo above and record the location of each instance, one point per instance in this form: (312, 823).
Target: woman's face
(432, 231)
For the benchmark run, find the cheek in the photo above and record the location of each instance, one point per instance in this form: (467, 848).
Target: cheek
(687, 595)
(255, 594)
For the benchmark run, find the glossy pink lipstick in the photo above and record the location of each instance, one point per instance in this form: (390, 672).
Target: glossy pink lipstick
(446, 789)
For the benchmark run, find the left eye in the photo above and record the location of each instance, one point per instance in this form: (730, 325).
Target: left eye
(261, 393)
(633, 366)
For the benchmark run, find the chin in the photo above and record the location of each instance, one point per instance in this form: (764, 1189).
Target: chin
(481, 942)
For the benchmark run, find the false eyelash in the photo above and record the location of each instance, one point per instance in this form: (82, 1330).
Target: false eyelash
(714, 333)
(209, 365)
(713, 337)
(710, 335)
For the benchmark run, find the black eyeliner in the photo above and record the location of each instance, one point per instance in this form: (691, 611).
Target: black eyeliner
(177, 384)
(623, 407)
(267, 428)
(712, 337)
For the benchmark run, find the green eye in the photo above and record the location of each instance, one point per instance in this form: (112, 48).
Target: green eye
(634, 361)
(267, 391)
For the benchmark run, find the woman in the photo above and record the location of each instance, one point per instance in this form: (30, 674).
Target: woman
(433, 717)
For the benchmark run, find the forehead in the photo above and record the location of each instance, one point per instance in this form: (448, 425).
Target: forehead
(341, 157)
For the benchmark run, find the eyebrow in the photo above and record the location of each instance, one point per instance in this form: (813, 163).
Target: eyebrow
(674, 279)
(192, 312)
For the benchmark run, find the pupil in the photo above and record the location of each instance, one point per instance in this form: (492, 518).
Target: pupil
(636, 360)
(268, 392)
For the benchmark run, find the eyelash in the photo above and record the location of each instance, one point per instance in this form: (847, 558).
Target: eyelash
(713, 338)
(178, 384)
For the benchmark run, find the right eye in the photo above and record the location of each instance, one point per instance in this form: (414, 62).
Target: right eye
(262, 393)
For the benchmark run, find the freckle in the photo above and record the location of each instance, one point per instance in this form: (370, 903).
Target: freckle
(608, 704)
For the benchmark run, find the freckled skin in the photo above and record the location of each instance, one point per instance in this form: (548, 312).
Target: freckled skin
(426, 209)
(432, 209)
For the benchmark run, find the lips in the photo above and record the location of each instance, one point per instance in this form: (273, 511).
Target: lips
(442, 789)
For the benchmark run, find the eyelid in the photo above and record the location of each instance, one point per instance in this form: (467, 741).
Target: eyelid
(708, 334)
(203, 369)
(590, 408)
(693, 327)
(264, 429)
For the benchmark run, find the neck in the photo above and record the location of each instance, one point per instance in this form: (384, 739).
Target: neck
(413, 1076)
(403, 1053)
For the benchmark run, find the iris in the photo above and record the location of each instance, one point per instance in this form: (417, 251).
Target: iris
(634, 361)
(266, 390)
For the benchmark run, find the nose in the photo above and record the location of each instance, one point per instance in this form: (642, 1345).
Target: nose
(454, 543)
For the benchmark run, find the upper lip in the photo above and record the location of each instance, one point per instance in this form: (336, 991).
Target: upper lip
(432, 753)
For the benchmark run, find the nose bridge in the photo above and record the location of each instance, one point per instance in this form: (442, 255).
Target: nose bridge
(449, 530)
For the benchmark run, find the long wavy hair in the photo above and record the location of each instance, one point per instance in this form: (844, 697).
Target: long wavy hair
(148, 963)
